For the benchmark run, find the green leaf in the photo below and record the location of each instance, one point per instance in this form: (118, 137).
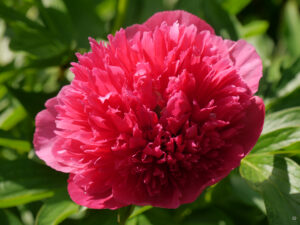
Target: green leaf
(208, 216)
(157, 216)
(103, 217)
(139, 210)
(245, 193)
(85, 20)
(234, 6)
(9, 14)
(19, 145)
(56, 209)
(8, 218)
(139, 220)
(281, 129)
(53, 13)
(29, 36)
(285, 83)
(286, 101)
(192, 6)
(254, 28)
(277, 140)
(37, 42)
(290, 30)
(33, 102)
(124, 213)
(11, 111)
(282, 119)
(219, 19)
(290, 79)
(278, 180)
(224, 194)
(23, 181)
(121, 13)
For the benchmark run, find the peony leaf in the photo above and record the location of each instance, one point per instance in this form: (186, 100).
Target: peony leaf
(8, 218)
(219, 19)
(283, 119)
(103, 217)
(284, 92)
(255, 28)
(278, 181)
(88, 15)
(11, 111)
(53, 13)
(19, 145)
(234, 6)
(38, 43)
(23, 181)
(290, 28)
(277, 141)
(33, 102)
(56, 209)
(287, 91)
(281, 130)
(10, 14)
(157, 216)
(139, 210)
(245, 193)
(124, 213)
(27, 35)
(277, 178)
(208, 216)
(139, 220)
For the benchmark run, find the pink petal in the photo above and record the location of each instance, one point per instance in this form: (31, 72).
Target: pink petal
(247, 61)
(45, 138)
(169, 17)
(100, 199)
(253, 125)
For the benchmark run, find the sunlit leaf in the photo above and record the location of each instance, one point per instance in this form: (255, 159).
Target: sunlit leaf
(23, 181)
(234, 6)
(290, 28)
(278, 180)
(220, 20)
(56, 209)
(11, 111)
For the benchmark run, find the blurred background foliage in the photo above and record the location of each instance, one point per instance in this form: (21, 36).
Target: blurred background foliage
(38, 39)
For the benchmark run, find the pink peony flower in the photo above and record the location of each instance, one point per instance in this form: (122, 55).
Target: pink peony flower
(162, 111)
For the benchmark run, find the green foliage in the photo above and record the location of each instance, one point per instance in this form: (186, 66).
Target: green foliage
(8, 218)
(38, 39)
(23, 181)
(56, 209)
(277, 179)
(269, 171)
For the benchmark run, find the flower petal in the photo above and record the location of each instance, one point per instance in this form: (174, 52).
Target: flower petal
(247, 62)
(44, 137)
(253, 124)
(99, 198)
(169, 17)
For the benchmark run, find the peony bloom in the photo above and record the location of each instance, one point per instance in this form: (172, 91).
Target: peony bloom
(163, 110)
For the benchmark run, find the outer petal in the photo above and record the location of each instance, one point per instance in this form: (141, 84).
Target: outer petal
(247, 62)
(242, 144)
(45, 138)
(169, 17)
(90, 190)
(253, 125)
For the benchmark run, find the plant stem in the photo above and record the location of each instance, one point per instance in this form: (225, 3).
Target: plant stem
(121, 12)
(124, 213)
